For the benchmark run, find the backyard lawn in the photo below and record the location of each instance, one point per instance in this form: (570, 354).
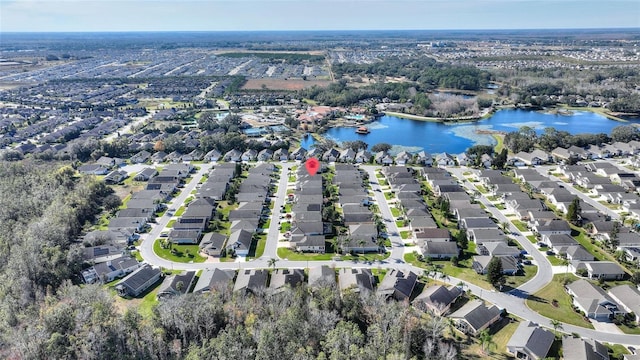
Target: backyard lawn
(541, 302)
(257, 247)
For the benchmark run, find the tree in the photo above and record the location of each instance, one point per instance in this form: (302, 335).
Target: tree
(573, 212)
(112, 203)
(613, 235)
(556, 325)
(486, 340)
(625, 133)
(355, 145)
(500, 160)
(272, 263)
(495, 275)
(361, 242)
(635, 278)
(380, 147)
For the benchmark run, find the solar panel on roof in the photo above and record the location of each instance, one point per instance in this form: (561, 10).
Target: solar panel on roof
(100, 251)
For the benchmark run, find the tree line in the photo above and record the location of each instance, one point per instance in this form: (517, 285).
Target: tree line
(298, 323)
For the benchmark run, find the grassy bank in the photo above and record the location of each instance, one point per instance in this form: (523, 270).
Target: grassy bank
(428, 118)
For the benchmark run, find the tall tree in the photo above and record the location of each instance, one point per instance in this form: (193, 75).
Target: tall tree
(494, 272)
(574, 211)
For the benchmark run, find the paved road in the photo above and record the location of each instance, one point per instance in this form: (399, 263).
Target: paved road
(397, 245)
(545, 270)
(127, 128)
(544, 171)
(271, 247)
(513, 302)
(146, 247)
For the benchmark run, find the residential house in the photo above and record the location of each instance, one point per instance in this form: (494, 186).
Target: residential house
(592, 300)
(138, 281)
(108, 271)
(424, 158)
(93, 169)
(251, 281)
(146, 174)
(552, 227)
(212, 244)
(232, 155)
(322, 276)
(607, 270)
(239, 242)
(176, 285)
(498, 249)
(213, 155)
(359, 280)
(311, 243)
(530, 341)
(440, 250)
(509, 264)
(362, 238)
(101, 253)
(397, 284)
(249, 155)
(444, 159)
(475, 316)
(438, 299)
(628, 297)
(281, 154)
(480, 236)
(141, 157)
(583, 349)
(281, 278)
(213, 279)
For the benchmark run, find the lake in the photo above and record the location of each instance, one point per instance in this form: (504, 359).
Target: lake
(437, 137)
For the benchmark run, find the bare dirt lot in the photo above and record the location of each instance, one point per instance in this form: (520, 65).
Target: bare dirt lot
(281, 84)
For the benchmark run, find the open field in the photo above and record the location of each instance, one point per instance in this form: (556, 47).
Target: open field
(281, 84)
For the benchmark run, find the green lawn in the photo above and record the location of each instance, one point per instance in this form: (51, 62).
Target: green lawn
(630, 330)
(170, 223)
(257, 247)
(464, 272)
(267, 224)
(617, 351)
(500, 207)
(180, 253)
(366, 256)
(395, 212)
(554, 260)
(292, 178)
(532, 238)
(180, 211)
(286, 253)
(594, 249)
(400, 223)
(541, 302)
(482, 189)
(520, 225)
(389, 195)
(284, 227)
(405, 234)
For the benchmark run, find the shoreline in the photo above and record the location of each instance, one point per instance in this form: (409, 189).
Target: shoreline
(488, 114)
(433, 119)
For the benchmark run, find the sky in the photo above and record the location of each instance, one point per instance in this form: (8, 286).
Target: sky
(249, 15)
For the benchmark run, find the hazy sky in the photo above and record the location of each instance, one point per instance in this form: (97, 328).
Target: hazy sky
(201, 15)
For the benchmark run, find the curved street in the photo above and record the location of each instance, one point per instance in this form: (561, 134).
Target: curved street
(513, 301)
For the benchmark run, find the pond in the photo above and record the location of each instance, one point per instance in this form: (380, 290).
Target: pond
(437, 137)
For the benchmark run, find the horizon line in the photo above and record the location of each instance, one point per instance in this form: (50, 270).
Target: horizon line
(306, 30)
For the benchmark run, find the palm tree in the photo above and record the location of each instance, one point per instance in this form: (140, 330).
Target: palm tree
(556, 325)
(486, 340)
(505, 227)
(361, 242)
(272, 263)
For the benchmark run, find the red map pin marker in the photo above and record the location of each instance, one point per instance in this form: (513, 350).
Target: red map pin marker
(312, 165)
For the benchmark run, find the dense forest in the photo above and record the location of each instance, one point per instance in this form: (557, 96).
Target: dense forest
(83, 323)
(43, 208)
